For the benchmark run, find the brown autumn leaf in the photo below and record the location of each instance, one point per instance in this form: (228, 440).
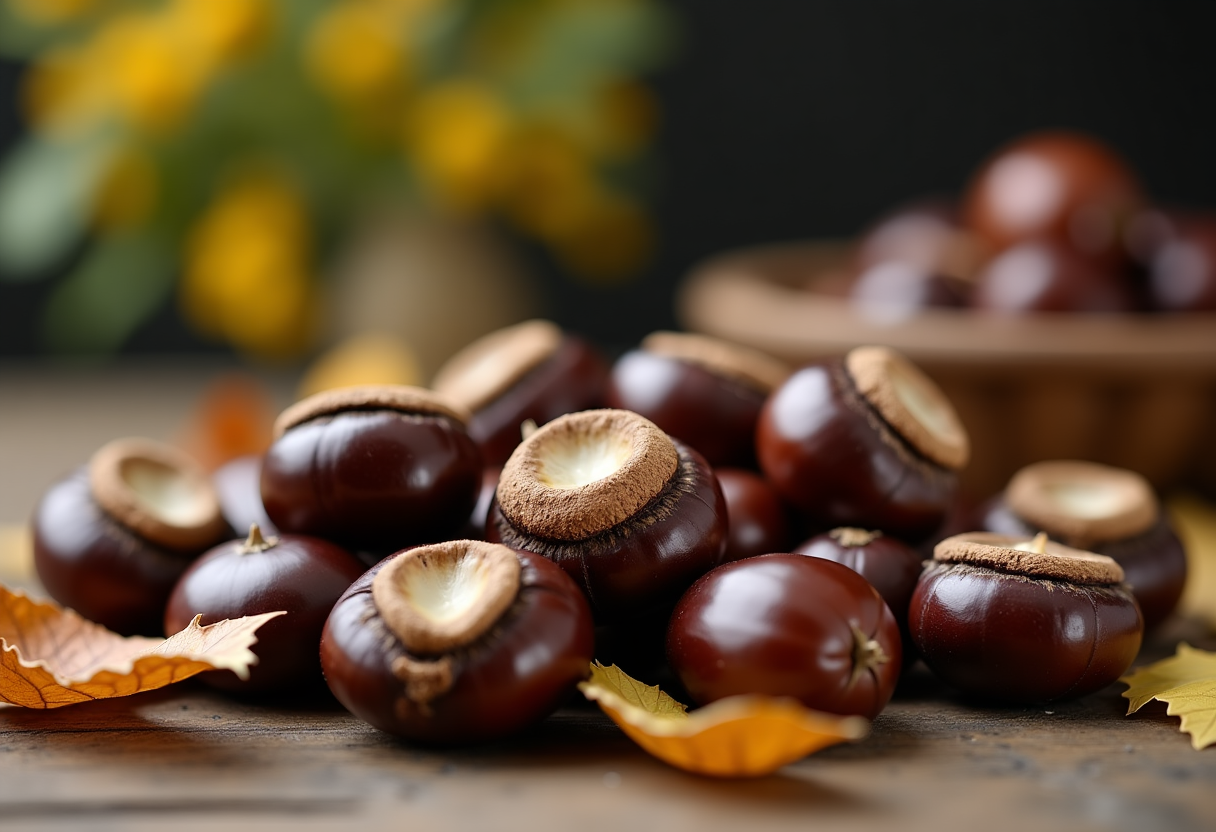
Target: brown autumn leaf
(740, 736)
(52, 657)
(1186, 682)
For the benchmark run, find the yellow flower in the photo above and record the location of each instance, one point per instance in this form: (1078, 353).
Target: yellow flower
(63, 93)
(624, 117)
(52, 12)
(127, 192)
(247, 274)
(356, 51)
(455, 136)
(547, 184)
(153, 72)
(224, 29)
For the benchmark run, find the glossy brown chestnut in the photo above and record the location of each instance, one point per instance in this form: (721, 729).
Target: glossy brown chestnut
(787, 625)
(891, 292)
(1060, 185)
(866, 441)
(633, 516)
(1012, 620)
(1047, 276)
(298, 574)
(497, 657)
(705, 392)
(1182, 270)
(530, 371)
(372, 468)
(111, 540)
(1109, 511)
(238, 484)
(891, 566)
(757, 517)
(926, 234)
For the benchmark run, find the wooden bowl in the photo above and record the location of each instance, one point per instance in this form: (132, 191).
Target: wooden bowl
(1135, 391)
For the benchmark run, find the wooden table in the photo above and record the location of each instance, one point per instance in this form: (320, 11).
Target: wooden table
(186, 758)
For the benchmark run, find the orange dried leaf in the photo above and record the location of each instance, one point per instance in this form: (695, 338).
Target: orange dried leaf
(740, 736)
(52, 657)
(1187, 683)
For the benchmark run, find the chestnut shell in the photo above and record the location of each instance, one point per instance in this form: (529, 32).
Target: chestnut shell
(891, 566)
(1154, 563)
(372, 479)
(757, 518)
(644, 562)
(1010, 638)
(781, 625)
(514, 676)
(713, 413)
(570, 380)
(88, 561)
(829, 453)
(299, 574)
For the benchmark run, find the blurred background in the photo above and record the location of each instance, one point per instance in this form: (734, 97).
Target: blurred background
(676, 128)
(252, 184)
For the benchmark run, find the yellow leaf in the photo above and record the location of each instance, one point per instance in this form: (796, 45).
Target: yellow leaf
(740, 736)
(1195, 521)
(1186, 682)
(52, 657)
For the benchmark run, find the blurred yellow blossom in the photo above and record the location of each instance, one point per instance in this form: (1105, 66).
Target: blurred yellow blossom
(356, 50)
(456, 134)
(624, 116)
(224, 29)
(154, 72)
(52, 12)
(247, 268)
(612, 238)
(546, 182)
(127, 191)
(63, 93)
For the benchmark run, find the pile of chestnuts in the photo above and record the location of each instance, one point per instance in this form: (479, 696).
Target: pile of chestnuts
(762, 525)
(1054, 221)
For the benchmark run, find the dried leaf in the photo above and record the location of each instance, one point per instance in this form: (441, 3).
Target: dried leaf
(740, 736)
(1195, 521)
(52, 657)
(1187, 683)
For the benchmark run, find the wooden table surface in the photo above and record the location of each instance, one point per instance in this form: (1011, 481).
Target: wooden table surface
(186, 758)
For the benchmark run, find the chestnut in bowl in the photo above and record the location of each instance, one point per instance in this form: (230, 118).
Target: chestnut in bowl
(1047, 276)
(530, 371)
(1065, 186)
(1106, 510)
(1012, 620)
(111, 539)
(372, 468)
(700, 390)
(786, 625)
(632, 515)
(457, 642)
(866, 441)
(298, 574)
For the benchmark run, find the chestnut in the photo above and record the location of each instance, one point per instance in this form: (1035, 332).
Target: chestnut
(1109, 511)
(891, 292)
(1182, 271)
(703, 391)
(1047, 276)
(457, 642)
(372, 468)
(867, 440)
(757, 520)
(891, 566)
(1061, 185)
(786, 625)
(632, 515)
(238, 485)
(926, 234)
(530, 371)
(111, 539)
(1013, 620)
(298, 574)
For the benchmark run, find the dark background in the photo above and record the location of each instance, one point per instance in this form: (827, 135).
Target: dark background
(790, 119)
